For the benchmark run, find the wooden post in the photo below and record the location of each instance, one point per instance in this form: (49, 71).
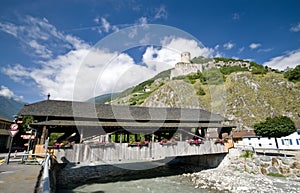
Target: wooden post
(153, 137)
(44, 135)
(135, 137)
(121, 137)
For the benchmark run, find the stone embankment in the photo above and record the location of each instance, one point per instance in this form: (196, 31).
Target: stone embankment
(236, 174)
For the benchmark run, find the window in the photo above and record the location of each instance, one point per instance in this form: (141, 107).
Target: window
(282, 141)
(297, 141)
(259, 144)
(291, 141)
(270, 143)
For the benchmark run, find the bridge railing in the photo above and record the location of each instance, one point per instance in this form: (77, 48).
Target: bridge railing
(125, 152)
(45, 183)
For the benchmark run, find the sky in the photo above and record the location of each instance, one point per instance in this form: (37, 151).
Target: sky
(78, 49)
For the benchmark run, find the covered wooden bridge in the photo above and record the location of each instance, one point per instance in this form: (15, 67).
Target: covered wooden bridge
(81, 120)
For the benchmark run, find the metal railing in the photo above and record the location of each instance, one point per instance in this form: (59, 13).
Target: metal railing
(45, 178)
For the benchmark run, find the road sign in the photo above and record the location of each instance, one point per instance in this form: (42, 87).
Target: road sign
(12, 133)
(28, 136)
(14, 126)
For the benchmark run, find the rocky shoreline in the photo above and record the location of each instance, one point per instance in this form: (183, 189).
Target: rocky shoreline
(227, 178)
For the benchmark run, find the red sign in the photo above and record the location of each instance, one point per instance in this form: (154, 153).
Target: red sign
(28, 136)
(12, 133)
(14, 126)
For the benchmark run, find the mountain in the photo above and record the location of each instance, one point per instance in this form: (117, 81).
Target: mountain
(247, 92)
(9, 107)
(103, 98)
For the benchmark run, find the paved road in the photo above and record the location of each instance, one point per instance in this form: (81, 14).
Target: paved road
(18, 178)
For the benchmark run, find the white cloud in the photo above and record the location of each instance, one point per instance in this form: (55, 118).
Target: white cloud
(236, 16)
(105, 24)
(228, 46)
(167, 56)
(254, 46)
(161, 13)
(290, 59)
(82, 72)
(265, 50)
(5, 92)
(295, 28)
(143, 21)
(241, 50)
(9, 28)
(40, 38)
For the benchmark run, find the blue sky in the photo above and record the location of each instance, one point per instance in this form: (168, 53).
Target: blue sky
(78, 49)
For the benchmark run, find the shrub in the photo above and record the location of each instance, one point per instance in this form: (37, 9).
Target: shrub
(275, 175)
(247, 154)
(275, 127)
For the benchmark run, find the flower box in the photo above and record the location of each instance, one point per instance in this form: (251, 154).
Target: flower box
(195, 141)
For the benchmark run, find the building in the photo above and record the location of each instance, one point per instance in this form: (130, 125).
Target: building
(82, 120)
(290, 142)
(4, 135)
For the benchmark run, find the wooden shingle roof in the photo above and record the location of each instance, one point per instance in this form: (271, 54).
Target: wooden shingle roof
(70, 109)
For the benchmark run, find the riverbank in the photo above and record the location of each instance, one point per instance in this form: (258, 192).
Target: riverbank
(234, 175)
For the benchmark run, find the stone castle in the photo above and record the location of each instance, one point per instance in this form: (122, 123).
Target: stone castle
(185, 66)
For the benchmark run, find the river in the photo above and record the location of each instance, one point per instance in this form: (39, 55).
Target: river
(168, 184)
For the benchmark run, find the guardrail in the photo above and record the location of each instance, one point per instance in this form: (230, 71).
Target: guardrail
(45, 178)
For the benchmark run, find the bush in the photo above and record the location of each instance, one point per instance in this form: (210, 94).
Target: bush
(293, 75)
(200, 91)
(275, 175)
(213, 76)
(230, 69)
(247, 154)
(275, 127)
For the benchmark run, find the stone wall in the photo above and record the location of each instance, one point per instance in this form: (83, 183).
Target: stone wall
(260, 164)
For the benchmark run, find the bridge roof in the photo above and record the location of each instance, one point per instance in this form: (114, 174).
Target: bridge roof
(84, 110)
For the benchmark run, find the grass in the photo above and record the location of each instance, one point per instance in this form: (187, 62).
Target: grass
(276, 175)
(247, 154)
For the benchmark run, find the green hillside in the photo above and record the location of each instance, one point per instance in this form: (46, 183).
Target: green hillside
(247, 95)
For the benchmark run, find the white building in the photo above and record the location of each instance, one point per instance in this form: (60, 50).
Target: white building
(260, 142)
(290, 142)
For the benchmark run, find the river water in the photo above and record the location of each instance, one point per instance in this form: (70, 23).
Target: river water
(176, 184)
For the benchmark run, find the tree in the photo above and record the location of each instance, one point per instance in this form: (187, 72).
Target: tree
(293, 74)
(27, 120)
(275, 127)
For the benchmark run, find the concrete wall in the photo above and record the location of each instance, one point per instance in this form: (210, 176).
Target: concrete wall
(87, 153)
(74, 175)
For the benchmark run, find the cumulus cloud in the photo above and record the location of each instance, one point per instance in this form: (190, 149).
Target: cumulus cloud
(228, 46)
(253, 46)
(295, 28)
(290, 59)
(83, 71)
(170, 52)
(5, 92)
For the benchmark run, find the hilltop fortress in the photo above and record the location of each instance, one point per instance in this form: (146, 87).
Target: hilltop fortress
(186, 66)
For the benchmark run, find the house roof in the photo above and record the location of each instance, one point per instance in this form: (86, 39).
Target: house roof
(238, 134)
(5, 120)
(126, 124)
(72, 109)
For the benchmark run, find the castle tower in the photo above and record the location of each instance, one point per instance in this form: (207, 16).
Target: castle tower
(186, 57)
